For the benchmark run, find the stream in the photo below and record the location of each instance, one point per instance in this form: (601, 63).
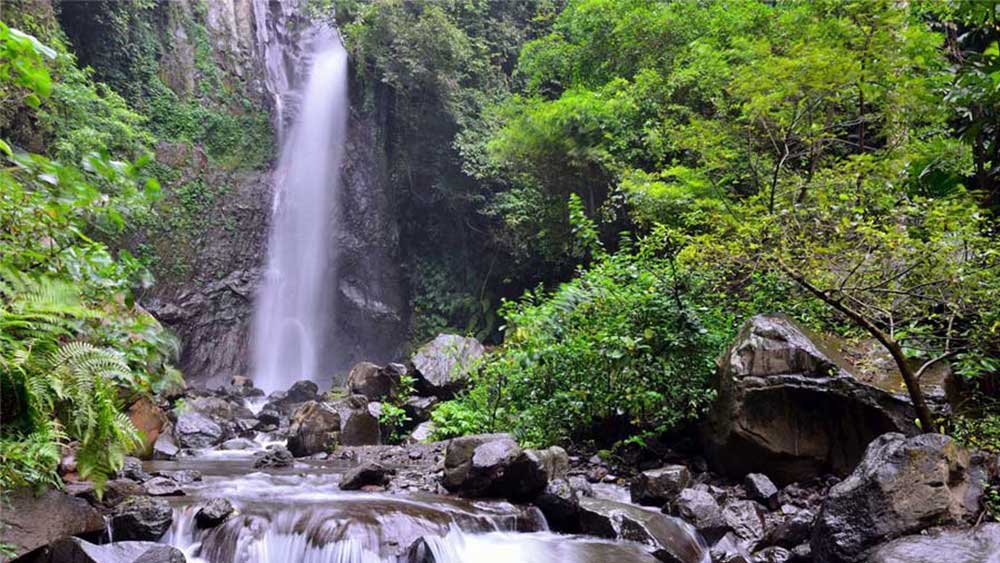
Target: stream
(298, 514)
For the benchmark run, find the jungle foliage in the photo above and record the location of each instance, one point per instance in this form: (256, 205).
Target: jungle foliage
(835, 160)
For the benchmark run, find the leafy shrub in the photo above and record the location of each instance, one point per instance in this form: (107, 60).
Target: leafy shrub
(621, 343)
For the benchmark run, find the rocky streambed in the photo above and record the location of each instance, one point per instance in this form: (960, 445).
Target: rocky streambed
(233, 475)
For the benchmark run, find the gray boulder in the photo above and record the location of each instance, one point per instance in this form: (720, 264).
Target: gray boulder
(376, 383)
(792, 406)
(903, 485)
(531, 471)
(213, 513)
(761, 489)
(141, 518)
(315, 427)
(359, 427)
(476, 466)
(966, 545)
(165, 447)
(444, 364)
(275, 456)
(76, 550)
(657, 487)
(668, 538)
(421, 433)
(701, 510)
(197, 430)
(746, 519)
(31, 521)
(285, 402)
(162, 487)
(560, 503)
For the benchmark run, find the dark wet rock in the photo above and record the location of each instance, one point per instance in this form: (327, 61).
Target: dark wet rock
(793, 407)
(443, 365)
(659, 486)
(375, 382)
(269, 417)
(746, 519)
(197, 430)
(76, 550)
(772, 555)
(794, 529)
(701, 510)
(238, 444)
(162, 487)
(669, 538)
(275, 456)
(115, 491)
(132, 469)
(315, 427)
(242, 387)
(364, 475)
(903, 485)
(285, 402)
(761, 489)
(181, 476)
(165, 448)
(31, 521)
(560, 504)
(476, 466)
(419, 408)
(980, 544)
(141, 518)
(213, 513)
(532, 470)
(359, 427)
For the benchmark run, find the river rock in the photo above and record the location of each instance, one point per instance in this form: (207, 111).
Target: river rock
(761, 489)
(132, 469)
(162, 487)
(789, 405)
(443, 365)
(560, 503)
(702, 511)
(659, 486)
(315, 427)
(213, 513)
(531, 471)
(729, 550)
(141, 518)
(165, 448)
(376, 383)
(275, 456)
(364, 475)
(76, 550)
(794, 529)
(902, 486)
(359, 427)
(115, 491)
(285, 402)
(476, 466)
(238, 444)
(149, 419)
(31, 521)
(181, 476)
(422, 433)
(773, 554)
(669, 539)
(197, 430)
(965, 545)
(746, 519)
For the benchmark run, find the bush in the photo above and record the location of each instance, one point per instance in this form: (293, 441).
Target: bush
(621, 344)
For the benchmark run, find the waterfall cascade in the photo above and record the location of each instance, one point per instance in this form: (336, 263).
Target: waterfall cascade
(293, 307)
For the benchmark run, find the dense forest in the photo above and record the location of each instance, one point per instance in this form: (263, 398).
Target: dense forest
(601, 191)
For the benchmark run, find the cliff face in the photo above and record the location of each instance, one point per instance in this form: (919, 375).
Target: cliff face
(191, 64)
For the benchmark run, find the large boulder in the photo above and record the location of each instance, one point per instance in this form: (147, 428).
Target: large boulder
(476, 466)
(285, 402)
(165, 447)
(789, 405)
(359, 427)
(968, 545)
(213, 513)
(702, 511)
(443, 365)
(141, 518)
(31, 521)
(669, 539)
(902, 485)
(531, 471)
(365, 475)
(659, 486)
(75, 550)
(376, 383)
(560, 503)
(315, 428)
(150, 420)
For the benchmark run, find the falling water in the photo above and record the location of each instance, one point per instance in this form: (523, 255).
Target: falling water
(291, 310)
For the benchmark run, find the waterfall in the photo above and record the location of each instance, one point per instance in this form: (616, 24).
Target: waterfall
(290, 317)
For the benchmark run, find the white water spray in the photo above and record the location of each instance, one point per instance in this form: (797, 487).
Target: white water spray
(292, 308)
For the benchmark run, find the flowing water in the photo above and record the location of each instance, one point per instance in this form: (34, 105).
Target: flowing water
(299, 515)
(292, 309)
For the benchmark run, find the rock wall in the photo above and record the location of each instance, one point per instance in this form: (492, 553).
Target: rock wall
(208, 250)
